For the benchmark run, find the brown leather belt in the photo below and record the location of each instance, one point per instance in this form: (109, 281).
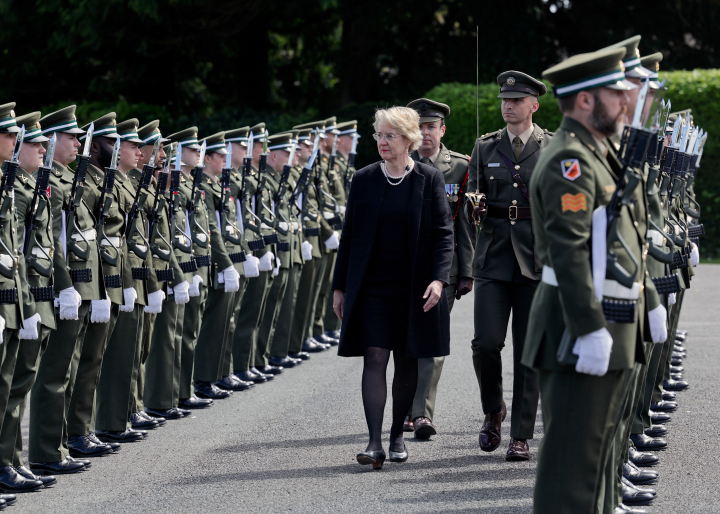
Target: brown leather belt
(511, 213)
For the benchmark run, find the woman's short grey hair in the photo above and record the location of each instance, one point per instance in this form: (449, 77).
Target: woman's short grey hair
(403, 119)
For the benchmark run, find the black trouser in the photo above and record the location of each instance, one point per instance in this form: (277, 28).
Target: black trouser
(494, 300)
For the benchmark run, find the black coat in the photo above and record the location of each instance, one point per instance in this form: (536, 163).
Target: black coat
(431, 253)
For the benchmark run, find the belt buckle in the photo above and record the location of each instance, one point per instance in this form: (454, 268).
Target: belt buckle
(510, 212)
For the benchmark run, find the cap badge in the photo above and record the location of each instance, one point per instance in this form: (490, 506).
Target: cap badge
(12, 113)
(510, 81)
(423, 106)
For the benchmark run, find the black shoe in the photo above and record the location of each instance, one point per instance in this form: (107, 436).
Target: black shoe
(334, 334)
(82, 446)
(643, 442)
(312, 346)
(283, 362)
(13, 482)
(249, 376)
(656, 431)
(260, 373)
(64, 467)
(128, 436)
(208, 390)
(160, 421)
(637, 475)
(324, 339)
(663, 406)
(8, 499)
(143, 433)
(195, 403)
(47, 480)
(164, 413)
(320, 343)
(115, 447)
(643, 459)
(376, 458)
(677, 369)
(85, 462)
(676, 361)
(669, 396)
(271, 370)
(681, 334)
(299, 355)
(675, 385)
(139, 422)
(184, 412)
(632, 495)
(233, 383)
(659, 417)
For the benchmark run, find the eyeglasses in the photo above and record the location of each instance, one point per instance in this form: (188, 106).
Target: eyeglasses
(377, 136)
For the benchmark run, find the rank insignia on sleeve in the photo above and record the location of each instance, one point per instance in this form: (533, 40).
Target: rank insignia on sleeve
(570, 168)
(574, 203)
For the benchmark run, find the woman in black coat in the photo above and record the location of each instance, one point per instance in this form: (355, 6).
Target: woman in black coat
(393, 262)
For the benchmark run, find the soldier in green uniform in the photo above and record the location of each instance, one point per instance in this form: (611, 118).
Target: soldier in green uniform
(331, 196)
(82, 441)
(162, 368)
(315, 228)
(505, 269)
(14, 476)
(255, 202)
(121, 363)
(571, 186)
(346, 139)
(279, 148)
(227, 281)
(77, 279)
(454, 167)
(280, 349)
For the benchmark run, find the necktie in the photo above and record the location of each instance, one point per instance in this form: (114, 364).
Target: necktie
(517, 147)
(426, 160)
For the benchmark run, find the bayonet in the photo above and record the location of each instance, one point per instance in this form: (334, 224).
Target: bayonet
(153, 156)
(640, 105)
(178, 157)
(228, 157)
(201, 162)
(88, 139)
(115, 155)
(50, 151)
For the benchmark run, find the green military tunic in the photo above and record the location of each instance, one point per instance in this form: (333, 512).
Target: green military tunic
(53, 388)
(506, 271)
(29, 352)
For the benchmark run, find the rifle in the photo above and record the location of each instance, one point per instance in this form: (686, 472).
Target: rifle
(104, 208)
(282, 191)
(175, 205)
(260, 207)
(76, 193)
(7, 195)
(224, 193)
(157, 209)
(302, 182)
(37, 207)
(141, 194)
(351, 163)
(196, 197)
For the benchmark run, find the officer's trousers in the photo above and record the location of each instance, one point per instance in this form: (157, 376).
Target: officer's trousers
(286, 318)
(118, 376)
(81, 414)
(494, 300)
(271, 317)
(192, 318)
(53, 388)
(579, 412)
(162, 369)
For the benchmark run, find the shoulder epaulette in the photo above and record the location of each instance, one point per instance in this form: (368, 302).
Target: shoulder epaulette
(209, 181)
(459, 155)
(489, 135)
(548, 132)
(57, 173)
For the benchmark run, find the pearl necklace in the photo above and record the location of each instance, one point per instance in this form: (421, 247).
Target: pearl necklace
(383, 167)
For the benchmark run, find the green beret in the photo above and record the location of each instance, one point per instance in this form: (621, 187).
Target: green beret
(127, 130)
(61, 121)
(516, 84)
(150, 133)
(188, 138)
(33, 134)
(239, 136)
(104, 126)
(7, 118)
(215, 143)
(429, 110)
(584, 72)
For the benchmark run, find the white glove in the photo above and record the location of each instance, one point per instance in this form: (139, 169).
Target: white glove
(671, 299)
(694, 255)
(232, 279)
(333, 241)
(341, 208)
(31, 327)
(100, 311)
(181, 292)
(307, 249)
(593, 351)
(276, 269)
(251, 266)
(155, 301)
(658, 324)
(70, 301)
(195, 286)
(130, 296)
(266, 262)
(283, 225)
(2, 328)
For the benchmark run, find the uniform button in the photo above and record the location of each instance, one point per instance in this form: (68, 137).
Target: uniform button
(636, 223)
(517, 167)
(514, 202)
(492, 178)
(515, 184)
(512, 222)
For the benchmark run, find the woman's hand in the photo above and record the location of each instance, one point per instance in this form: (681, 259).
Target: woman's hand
(339, 303)
(432, 293)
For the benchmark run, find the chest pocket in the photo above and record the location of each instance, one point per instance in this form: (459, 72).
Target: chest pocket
(497, 182)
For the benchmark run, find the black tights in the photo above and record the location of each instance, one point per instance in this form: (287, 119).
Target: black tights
(374, 394)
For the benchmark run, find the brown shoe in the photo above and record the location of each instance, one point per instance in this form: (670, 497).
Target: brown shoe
(424, 428)
(518, 450)
(490, 431)
(408, 425)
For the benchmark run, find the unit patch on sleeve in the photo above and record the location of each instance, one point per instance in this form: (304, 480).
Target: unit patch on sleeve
(574, 203)
(570, 168)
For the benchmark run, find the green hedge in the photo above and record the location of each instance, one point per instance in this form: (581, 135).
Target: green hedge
(698, 90)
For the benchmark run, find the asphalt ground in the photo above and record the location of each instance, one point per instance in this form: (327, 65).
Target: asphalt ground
(290, 445)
